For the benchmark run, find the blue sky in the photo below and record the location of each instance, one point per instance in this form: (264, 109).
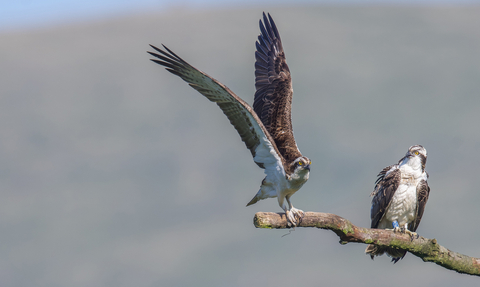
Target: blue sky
(32, 13)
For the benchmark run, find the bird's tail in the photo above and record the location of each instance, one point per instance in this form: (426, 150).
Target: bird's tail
(266, 191)
(374, 250)
(254, 200)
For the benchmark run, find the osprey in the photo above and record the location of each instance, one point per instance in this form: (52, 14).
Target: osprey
(266, 129)
(399, 199)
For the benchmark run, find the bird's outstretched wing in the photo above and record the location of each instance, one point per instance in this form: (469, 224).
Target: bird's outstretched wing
(386, 185)
(241, 115)
(273, 96)
(423, 191)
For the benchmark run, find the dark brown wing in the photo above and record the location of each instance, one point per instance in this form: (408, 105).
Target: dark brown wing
(273, 96)
(386, 185)
(240, 114)
(423, 191)
(381, 175)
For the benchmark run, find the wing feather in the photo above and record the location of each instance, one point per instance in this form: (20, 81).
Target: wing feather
(273, 96)
(386, 185)
(423, 191)
(241, 115)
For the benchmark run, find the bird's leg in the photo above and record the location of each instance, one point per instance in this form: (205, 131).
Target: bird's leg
(297, 213)
(395, 226)
(290, 216)
(403, 229)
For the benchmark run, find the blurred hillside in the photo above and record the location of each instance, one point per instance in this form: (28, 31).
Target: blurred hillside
(115, 173)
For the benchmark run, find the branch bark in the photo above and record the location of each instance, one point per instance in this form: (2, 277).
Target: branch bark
(427, 249)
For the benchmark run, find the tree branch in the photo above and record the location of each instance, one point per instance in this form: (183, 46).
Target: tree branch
(427, 249)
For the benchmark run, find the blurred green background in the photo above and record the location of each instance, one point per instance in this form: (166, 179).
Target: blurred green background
(114, 172)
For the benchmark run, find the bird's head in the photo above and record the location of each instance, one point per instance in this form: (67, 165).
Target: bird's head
(301, 164)
(416, 154)
(301, 171)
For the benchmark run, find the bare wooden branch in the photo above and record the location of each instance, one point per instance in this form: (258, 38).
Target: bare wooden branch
(427, 249)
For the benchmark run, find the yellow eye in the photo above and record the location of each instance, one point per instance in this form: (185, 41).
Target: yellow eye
(300, 163)
(310, 162)
(416, 153)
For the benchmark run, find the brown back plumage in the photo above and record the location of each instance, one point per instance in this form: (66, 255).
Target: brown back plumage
(273, 96)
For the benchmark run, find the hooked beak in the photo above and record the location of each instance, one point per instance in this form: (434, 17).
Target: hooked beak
(307, 167)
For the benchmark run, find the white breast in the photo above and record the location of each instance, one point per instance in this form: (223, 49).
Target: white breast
(403, 206)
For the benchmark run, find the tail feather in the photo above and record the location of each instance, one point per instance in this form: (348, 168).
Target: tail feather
(374, 250)
(266, 191)
(254, 200)
(396, 254)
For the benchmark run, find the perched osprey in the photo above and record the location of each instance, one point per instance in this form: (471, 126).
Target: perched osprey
(399, 198)
(266, 128)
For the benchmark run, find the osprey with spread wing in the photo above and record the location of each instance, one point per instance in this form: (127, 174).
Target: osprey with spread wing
(266, 129)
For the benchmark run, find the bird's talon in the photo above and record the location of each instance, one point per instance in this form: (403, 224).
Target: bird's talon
(412, 234)
(296, 215)
(291, 221)
(395, 230)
